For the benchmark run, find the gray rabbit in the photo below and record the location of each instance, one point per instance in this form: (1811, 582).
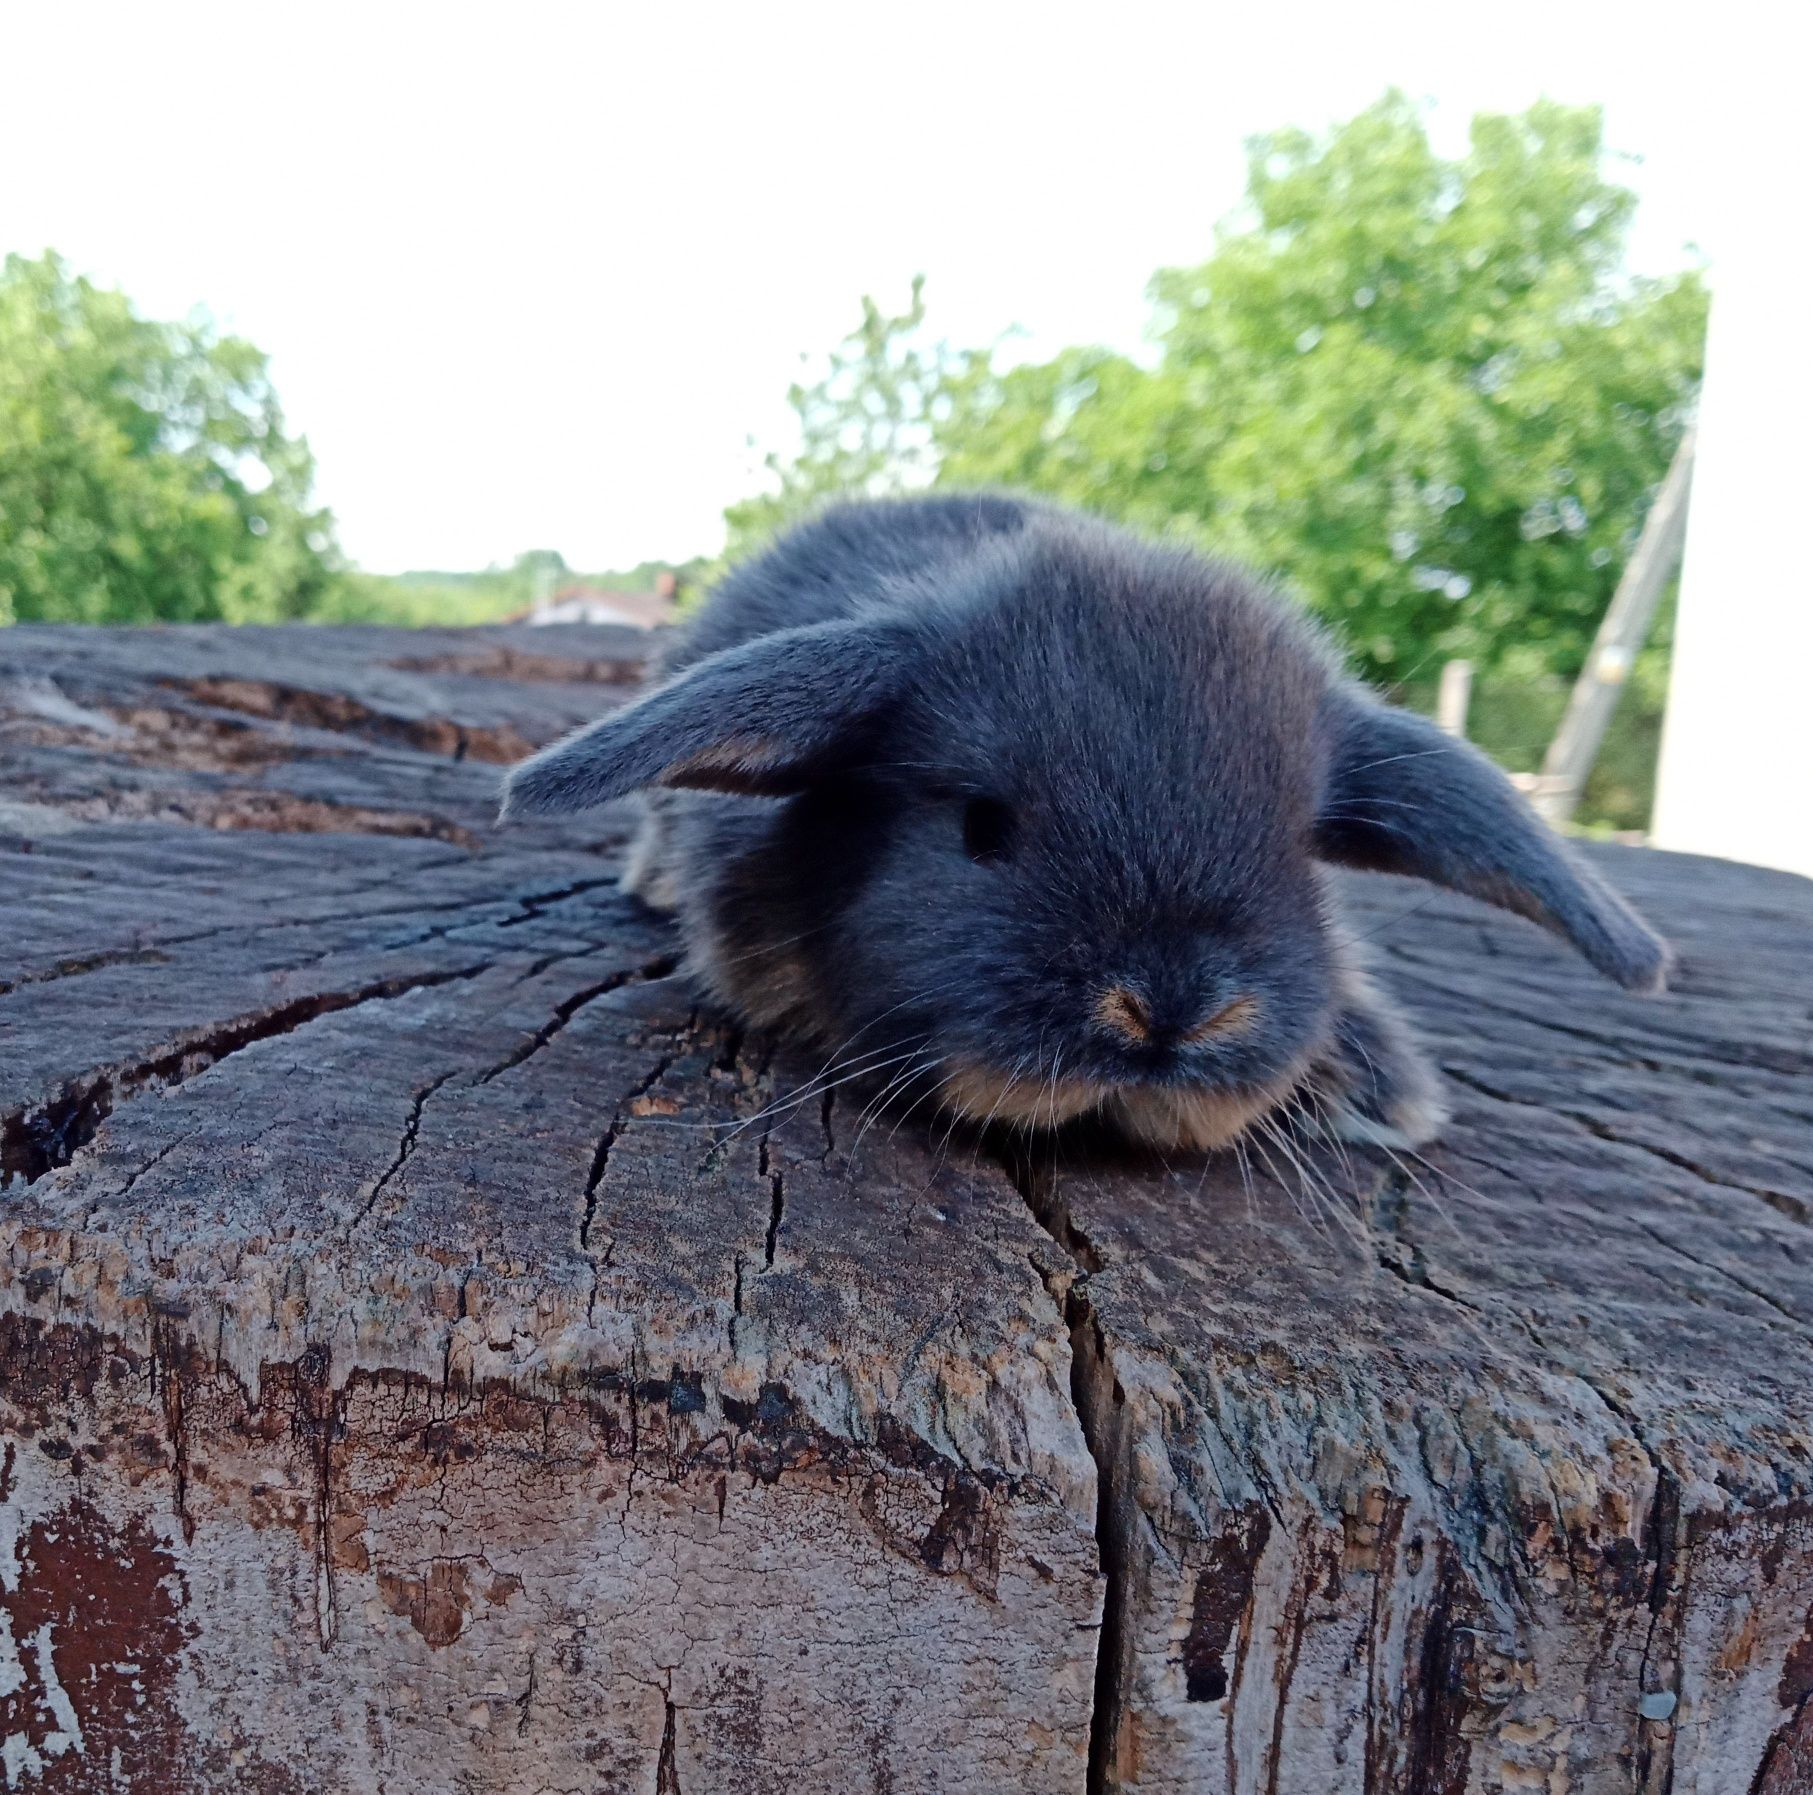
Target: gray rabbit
(1024, 810)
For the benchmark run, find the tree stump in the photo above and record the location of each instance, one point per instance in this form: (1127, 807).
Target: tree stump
(428, 1363)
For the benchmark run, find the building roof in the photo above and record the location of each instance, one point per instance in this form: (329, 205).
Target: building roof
(598, 604)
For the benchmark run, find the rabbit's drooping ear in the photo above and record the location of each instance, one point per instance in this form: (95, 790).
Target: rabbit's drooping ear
(1404, 797)
(759, 718)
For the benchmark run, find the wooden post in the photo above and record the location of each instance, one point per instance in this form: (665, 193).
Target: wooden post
(1621, 634)
(429, 1360)
(1452, 698)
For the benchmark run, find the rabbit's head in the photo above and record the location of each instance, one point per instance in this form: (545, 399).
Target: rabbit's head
(1052, 833)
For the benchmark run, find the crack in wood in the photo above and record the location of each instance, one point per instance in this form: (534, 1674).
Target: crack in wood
(75, 968)
(39, 1139)
(1093, 1390)
(601, 1159)
(155, 1160)
(777, 1201)
(667, 1774)
(1746, 1285)
(1782, 1202)
(1391, 1202)
(412, 1129)
(158, 944)
(1742, 1055)
(538, 903)
(657, 968)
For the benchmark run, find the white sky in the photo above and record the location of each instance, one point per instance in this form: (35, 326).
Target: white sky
(530, 275)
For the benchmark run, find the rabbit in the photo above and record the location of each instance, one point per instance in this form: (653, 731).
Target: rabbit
(1035, 816)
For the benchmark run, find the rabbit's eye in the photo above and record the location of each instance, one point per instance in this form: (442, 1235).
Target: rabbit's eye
(988, 829)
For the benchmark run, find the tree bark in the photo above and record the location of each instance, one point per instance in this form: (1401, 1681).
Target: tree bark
(430, 1360)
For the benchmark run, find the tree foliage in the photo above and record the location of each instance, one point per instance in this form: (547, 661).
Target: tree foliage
(144, 467)
(1421, 390)
(868, 426)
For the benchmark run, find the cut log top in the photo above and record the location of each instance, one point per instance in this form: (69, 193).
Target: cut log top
(396, 1263)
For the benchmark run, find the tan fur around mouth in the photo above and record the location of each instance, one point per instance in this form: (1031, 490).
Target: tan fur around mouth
(984, 1095)
(1173, 1121)
(1192, 1121)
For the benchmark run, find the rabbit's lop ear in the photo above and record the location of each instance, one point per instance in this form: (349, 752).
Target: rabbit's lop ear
(1403, 797)
(759, 718)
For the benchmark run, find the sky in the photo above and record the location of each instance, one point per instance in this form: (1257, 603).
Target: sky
(533, 276)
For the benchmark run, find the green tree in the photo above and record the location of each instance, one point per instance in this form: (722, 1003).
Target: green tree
(144, 467)
(1420, 390)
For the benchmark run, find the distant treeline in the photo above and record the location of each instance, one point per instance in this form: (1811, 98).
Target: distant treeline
(421, 599)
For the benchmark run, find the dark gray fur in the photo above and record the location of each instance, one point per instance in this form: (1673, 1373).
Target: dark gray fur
(933, 775)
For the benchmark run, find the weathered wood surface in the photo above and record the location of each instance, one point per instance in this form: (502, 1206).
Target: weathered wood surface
(409, 1381)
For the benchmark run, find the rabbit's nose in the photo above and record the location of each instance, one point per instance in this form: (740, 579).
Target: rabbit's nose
(1134, 1021)
(1230, 1016)
(1121, 1011)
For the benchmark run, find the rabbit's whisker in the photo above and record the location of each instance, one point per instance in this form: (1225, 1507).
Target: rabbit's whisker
(817, 1086)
